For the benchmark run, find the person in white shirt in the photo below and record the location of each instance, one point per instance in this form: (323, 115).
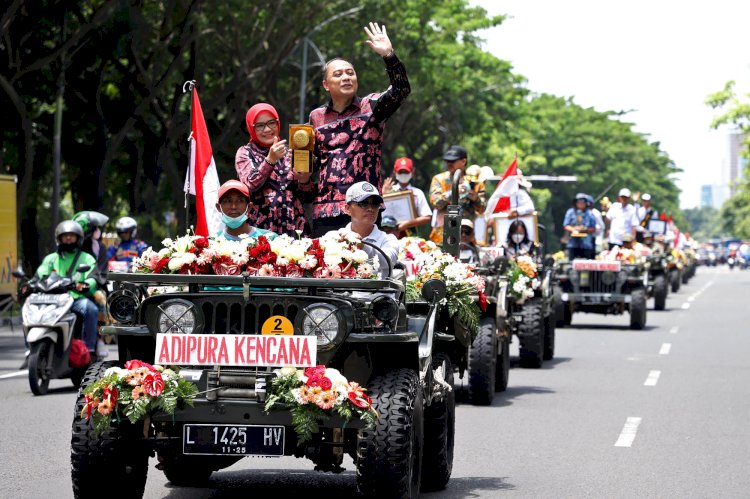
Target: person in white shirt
(521, 203)
(598, 235)
(363, 204)
(622, 219)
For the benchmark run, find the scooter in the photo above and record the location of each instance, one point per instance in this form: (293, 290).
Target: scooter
(49, 326)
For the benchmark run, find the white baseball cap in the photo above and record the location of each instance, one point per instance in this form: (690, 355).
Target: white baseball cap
(646, 197)
(625, 192)
(360, 191)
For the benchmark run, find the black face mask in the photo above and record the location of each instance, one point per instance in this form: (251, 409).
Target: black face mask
(67, 248)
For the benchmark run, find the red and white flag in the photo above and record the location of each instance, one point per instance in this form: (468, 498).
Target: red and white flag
(202, 179)
(500, 199)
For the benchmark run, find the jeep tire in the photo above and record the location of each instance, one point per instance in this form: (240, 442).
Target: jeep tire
(558, 307)
(549, 337)
(186, 471)
(675, 280)
(502, 367)
(638, 309)
(439, 432)
(531, 335)
(389, 456)
(483, 362)
(660, 292)
(119, 455)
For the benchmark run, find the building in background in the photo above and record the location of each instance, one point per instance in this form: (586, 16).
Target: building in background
(713, 195)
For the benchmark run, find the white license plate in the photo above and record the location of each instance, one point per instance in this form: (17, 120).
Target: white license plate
(233, 440)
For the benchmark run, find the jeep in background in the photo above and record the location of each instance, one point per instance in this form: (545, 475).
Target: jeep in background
(601, 287)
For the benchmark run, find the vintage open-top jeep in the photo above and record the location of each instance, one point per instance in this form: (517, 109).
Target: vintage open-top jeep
(364, 328)
(601, 287)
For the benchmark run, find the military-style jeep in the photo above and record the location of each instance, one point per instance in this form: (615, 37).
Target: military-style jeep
(658, 275)
(601, 287)
(364, 328)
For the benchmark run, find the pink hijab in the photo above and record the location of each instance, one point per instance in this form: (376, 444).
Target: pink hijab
(253, 113)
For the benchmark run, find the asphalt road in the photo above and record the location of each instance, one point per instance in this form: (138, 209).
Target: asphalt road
(661, 412)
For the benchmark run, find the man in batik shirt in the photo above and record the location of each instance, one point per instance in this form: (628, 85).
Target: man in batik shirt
(349, 131)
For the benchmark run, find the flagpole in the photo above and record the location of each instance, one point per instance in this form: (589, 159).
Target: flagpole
(188, 86)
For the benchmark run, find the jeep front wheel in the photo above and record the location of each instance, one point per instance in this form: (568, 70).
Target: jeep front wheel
(439, 431)
(120, 453)
(549, 337)
(185, 471)
(502, 367)
(660, 292)
(638, 309)
(482, 363)
(675, 280)
(389, 456)
(531, 335)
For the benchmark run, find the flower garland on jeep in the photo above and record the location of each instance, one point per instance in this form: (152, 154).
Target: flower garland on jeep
(463, 286)
(523, 278)
(314, 394)
(338, 254)
(134, 392)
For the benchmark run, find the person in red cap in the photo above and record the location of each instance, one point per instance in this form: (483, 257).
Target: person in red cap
(403, 169)
(234, 199)
(276, 191)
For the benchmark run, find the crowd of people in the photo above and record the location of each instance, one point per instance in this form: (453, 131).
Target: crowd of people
(346, 189)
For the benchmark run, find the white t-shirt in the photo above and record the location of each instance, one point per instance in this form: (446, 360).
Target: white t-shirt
(386, 242)
(621, 221)
(420, 200)
(521, 202)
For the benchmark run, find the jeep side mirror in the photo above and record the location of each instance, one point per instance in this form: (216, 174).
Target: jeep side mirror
(434, 290)
(18, 273)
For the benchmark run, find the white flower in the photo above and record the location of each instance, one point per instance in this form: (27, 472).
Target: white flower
(359, 256)
(116, 370)
(287, 371)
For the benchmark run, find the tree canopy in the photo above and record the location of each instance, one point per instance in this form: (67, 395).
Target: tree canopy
(119, 68)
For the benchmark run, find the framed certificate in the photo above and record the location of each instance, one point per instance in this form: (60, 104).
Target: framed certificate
(400, 205)
(657, 226)
(500, 223)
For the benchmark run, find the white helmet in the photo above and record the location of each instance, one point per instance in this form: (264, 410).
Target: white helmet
(127, 224)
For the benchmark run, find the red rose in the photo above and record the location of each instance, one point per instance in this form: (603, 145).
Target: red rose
(201, 242)
(316, 371)
(137, 364)
(153, 383)
(482, 301)
(313, 381)
(325, 383)
(111, 393)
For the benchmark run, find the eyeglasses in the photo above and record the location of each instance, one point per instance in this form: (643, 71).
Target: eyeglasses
(271, 124)
(367, 204)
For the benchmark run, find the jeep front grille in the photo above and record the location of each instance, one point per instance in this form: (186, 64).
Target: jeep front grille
(239, 317)
(596, 282)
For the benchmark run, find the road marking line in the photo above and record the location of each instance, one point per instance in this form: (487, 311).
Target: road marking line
(691, 298)
(674, 330)
(13, 375)
(653, 377)
(665, 348)
(627, 435)
(685, 306)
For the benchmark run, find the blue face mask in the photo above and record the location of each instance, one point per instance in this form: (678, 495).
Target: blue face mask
(233, 222)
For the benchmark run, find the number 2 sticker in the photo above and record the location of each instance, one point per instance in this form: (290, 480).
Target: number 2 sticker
(277, 324)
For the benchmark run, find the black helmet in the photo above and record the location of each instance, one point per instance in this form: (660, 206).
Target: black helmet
(389, 222)
(68, 227)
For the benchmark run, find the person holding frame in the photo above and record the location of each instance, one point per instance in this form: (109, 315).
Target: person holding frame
(403, 170)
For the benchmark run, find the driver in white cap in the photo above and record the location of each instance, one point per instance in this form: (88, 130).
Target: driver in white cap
(621, 218)
(363, 203)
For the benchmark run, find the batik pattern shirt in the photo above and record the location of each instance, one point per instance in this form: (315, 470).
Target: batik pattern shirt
(348, 145)
(276, 196)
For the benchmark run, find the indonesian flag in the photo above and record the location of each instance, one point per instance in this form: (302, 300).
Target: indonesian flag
(500, 199)
(202, 179)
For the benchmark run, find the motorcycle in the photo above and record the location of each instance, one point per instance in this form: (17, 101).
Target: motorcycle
(49, 326)
(731, 262)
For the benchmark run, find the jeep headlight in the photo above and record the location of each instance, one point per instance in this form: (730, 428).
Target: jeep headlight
(321, 321)
(177, 316)
(385, 309)
(123, 305)
(608, 278)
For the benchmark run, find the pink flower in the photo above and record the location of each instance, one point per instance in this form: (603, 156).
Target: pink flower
(293, 270)
(267, 270)
(137, 392)
(325, 400)
(105, 406)
(137, 364)
(323, 273)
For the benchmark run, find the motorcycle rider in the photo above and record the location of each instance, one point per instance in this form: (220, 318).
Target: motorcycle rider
(64, 261)
(129, 247)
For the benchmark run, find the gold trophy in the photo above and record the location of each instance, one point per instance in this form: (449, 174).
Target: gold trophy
(301, 142)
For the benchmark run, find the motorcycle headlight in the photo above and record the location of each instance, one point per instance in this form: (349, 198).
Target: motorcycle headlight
(322, 321)
(178, 316)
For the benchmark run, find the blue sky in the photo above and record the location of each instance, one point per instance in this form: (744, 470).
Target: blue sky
(659, 59)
